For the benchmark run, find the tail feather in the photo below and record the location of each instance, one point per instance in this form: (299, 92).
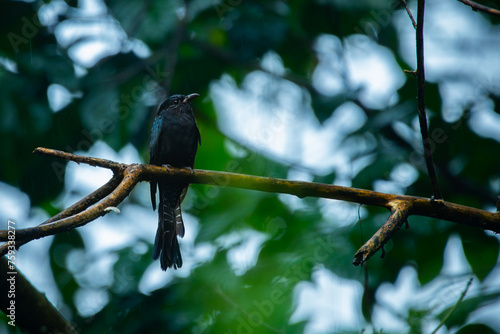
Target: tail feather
(153, 194)
(172, 257)
(166, 245)
(179, 223)
(178, 215)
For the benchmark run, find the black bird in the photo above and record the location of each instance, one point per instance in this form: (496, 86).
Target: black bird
(174, 142)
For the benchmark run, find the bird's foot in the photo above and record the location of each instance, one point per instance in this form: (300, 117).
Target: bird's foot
(437, 201)
(167, 166)
(190, 169)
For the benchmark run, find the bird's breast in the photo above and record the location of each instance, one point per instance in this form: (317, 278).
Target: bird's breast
(178, 142)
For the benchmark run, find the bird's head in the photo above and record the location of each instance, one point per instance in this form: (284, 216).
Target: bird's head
(177, 102)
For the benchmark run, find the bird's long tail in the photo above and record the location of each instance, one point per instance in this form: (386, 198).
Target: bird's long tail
(170, 225)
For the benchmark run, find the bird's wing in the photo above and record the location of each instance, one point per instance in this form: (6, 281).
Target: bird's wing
(154, 145)
(198, 136)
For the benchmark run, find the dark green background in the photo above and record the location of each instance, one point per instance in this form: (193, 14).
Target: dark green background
(231, 37)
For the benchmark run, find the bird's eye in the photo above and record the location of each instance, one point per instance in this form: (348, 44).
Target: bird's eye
(176, 101)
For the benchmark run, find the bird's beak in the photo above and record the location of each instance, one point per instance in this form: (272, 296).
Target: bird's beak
(190, 97)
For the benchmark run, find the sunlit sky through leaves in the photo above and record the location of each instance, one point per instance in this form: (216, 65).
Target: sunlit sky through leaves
(274, 117)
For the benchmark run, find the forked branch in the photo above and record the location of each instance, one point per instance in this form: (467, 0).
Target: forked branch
(126, 176)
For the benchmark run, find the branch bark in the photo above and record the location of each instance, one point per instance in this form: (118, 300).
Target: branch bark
(475, 7)
(127, 176)
(409, 14)
(399, 215)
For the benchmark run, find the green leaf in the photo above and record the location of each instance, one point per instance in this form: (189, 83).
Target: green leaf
(476, 328)
(482, 258)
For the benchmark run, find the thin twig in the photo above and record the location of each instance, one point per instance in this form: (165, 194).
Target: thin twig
(475, 7)
(96, 162)
(422, 117)
(459, 301)
(414, 73)
(88, 200)
(409, 14)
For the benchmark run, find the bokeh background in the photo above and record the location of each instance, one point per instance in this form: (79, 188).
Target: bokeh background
(305, 90)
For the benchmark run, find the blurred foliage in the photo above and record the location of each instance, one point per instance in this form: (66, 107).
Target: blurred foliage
(114, 100)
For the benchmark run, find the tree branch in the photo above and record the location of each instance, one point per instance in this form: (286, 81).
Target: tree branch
(409, 14)
(422, 117)
(88, 200)
(127, 176)
(33, 312)
(399, 215)
(475, 7)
